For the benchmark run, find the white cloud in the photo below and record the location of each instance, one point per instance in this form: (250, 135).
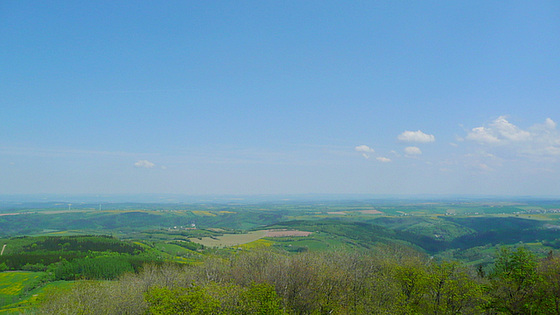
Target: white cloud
(144, 164)
(500, 131)
(365, 150)
(484, 167)
(383, 159)
(538, 140)
(416, 136)
(510, 131)
(483, 135)
(412, 151)
(549, 123)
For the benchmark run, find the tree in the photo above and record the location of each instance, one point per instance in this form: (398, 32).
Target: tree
(549, 288)
(176, 301)
(260, 299)
(514, 281)
(452, 290)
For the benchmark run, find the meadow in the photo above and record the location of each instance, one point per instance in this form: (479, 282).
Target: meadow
(18, 289)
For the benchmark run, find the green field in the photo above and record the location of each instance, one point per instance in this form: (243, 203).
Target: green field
(18, 289)
(30, 300)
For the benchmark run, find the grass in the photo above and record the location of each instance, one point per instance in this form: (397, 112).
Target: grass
(318, 242)
(15, 289)
(257, 244)
(14, 282)
(308, 244)
(174, 250)
(30, 300)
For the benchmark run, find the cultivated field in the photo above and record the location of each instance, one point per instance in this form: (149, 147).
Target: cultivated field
(282, 233)
(371, 212)
(230, 239)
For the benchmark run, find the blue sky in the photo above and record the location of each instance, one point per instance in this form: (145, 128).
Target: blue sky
(280, 97)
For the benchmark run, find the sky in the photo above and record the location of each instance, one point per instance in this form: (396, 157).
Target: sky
(280, 97)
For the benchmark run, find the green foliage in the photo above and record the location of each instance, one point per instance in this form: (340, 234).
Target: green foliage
(209, 299)
(514, 282)
(188, 245)
(176, 301)
(548, 289)
(260, 299)
(413, 282)
(385, 281)
(19, 260)
(81, 244)
(36, 253)
(452, 290)
(34, 267)
(516, 266)
(102, 267)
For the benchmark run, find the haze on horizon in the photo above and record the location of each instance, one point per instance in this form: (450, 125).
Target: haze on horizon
(289, 97)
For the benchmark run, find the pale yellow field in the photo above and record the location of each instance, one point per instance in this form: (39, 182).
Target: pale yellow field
(230, 239)
(204, 213)
(372, 211)
(284, 233)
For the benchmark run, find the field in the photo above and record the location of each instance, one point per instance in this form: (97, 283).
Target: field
(283, 233)
(18, 285)
(29, 300)
(227, 240)
(13, 283)
(318, 242)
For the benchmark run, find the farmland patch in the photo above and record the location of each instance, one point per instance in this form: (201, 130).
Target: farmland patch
(229, 239)
(371, 211)
(283, 233)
